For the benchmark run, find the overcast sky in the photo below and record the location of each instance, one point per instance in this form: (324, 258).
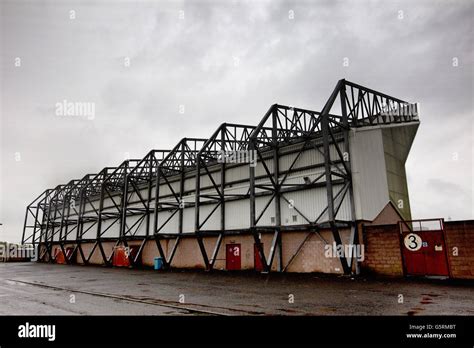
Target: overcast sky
(224, 61)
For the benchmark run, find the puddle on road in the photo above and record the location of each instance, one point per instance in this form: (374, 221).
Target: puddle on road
(426, 300)
(414, 311)
(432, 295)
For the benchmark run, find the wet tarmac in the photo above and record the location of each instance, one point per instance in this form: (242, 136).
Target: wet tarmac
(48, 289)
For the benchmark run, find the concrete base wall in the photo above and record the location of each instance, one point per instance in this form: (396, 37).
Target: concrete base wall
(382, 255)
(310, 258)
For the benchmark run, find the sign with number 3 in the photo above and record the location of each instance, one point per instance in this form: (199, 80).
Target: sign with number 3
(413, 242)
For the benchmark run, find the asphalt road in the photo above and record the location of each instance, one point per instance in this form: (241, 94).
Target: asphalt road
(47, 289)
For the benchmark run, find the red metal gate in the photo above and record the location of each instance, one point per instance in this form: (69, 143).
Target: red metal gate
(424, 248)
(257, 260)
(233, 258)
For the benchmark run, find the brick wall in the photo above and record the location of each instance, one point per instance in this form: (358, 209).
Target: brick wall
(382, 250)
(460, 235)
(383, 255)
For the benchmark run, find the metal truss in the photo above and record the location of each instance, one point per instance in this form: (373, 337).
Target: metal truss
(35, 216)
(181, 159)
(109, 184)
(228, 138)
(135, 204)
(143, 196)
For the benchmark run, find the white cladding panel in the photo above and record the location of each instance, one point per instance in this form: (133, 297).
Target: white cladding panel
(308, 157)
(214, 221)
(56, 235)
(137, 224)
(370, 189)
(165, 190)
(188, 219)
(205, 180)
(168, 226)
(260, 169)
(112, 230)
(368, 172)
(260, 204)
(309, 204)
(89, 230)
(237, 214)
(237, 173)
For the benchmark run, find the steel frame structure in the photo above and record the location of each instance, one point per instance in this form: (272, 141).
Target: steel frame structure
(180, 160)
(134, 187)
(143, 174)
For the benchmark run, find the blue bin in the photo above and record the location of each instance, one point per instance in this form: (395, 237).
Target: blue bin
(158, 263)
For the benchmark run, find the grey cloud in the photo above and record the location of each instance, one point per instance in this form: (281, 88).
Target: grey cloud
(190, 62)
